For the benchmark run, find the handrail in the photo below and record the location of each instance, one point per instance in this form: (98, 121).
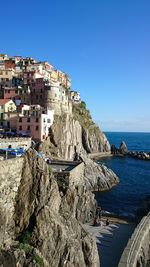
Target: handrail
(135, 236)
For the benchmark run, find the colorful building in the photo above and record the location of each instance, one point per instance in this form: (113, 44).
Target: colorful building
(34, 121)
(75, 96)
(7, 110)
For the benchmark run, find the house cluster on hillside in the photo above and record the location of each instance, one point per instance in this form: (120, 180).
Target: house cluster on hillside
(31, 92)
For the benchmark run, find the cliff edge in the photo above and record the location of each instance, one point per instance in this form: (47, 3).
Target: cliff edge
(73, 134)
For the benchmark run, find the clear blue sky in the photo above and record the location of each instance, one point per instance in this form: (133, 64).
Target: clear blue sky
(104, 45)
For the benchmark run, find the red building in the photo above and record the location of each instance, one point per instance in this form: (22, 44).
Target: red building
(38, 91)
(9, 93)
(10, 64)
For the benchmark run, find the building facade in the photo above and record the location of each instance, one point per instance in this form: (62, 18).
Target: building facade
(34, 121)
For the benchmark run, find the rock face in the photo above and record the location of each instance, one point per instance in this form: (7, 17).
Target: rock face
(123, 148)
(98, 177)
(68, 139)
(139, 155)
(44, 227)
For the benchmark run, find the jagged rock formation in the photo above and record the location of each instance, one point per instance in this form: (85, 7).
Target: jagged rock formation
(69, 139)
(123, 148)
(139, 155)
(44, 227)
(40, 219)
(98, 177)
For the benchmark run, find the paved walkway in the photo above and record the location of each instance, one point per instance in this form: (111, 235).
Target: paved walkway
(111, 241)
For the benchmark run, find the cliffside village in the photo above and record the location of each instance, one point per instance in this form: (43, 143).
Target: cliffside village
(31, 92)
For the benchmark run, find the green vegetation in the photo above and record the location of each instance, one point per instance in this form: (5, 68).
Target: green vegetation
(24, 244)
(50, 169)
(26, 247)
(25, 238)
(82, 114)
(38, 260)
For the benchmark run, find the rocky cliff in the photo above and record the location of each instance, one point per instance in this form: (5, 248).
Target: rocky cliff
(41, 221)
(74, 134)
(38, 225)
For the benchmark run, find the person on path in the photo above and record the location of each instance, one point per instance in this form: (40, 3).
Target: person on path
(107, 222)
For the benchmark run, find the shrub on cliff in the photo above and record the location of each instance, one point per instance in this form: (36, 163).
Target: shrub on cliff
(82, 114)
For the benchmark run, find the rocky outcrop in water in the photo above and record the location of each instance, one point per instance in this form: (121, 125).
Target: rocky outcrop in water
(41, 228)
(97, 177)
(139, 155)
(122, 150)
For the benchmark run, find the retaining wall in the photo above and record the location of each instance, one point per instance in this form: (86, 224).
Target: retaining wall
(137, 251)
(10, 176)
(73, 176)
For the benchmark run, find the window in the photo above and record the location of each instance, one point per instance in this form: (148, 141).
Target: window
(8, 91)
(28, 119)
(41, 90)
(44, 120)
(20, 119)
(37, 128)
(37, 97)
(41, 96)
(20, 128)
(28, 128)
(16, 91)
(48, 121)
(37, 119)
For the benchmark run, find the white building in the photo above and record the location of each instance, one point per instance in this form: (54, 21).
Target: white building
(75, 96)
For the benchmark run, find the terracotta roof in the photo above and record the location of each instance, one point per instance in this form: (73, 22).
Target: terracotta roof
(4, 101)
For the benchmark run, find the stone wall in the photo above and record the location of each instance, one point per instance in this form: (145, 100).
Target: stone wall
(137, 252)
(10, 176)
(15, 142)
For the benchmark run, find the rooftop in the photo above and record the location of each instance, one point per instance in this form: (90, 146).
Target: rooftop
(4, 101)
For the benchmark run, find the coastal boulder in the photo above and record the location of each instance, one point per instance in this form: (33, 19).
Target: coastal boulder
(123, 148)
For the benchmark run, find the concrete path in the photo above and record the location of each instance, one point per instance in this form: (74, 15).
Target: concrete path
(111, 241)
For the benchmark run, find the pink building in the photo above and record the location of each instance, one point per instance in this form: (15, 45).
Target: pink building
(34, 121)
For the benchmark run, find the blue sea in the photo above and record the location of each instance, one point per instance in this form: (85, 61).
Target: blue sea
(134, 174)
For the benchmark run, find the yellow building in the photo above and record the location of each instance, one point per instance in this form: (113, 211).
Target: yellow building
(54, 76)
(7, 74)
